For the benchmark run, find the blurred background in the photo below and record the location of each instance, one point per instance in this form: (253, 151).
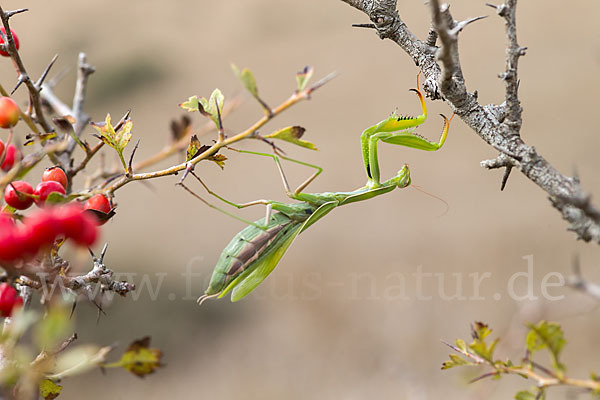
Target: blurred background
(361, 301)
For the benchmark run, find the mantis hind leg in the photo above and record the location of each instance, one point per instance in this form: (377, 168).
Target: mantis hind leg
(276, 158)
(268, 203)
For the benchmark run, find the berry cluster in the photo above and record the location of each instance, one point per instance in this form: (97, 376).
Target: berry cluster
(42, 228)
(20, 195)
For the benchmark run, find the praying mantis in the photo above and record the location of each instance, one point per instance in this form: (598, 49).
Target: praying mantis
(255, 251)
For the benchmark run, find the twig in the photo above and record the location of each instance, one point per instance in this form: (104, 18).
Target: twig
(295, 98)
(84, 70)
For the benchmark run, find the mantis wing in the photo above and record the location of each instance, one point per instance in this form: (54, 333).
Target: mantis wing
(252, 277)
(262, 270)
(319, 213)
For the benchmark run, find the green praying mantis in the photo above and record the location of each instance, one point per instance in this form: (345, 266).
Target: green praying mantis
(255, 251)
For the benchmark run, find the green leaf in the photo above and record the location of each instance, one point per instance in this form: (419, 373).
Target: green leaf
(59, 198)
(123, 136)
(247, 79)
(525, 395)
(191, 105)
(461, 344)
(479, 346)
(206, 107)
(139, 359)
(53, 329)
(118, 140)
(455, 361)
(547, 335)
(292, 134)
(303, 77)
(49, 390)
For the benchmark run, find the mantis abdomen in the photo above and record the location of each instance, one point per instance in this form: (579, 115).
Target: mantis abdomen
(250, 246)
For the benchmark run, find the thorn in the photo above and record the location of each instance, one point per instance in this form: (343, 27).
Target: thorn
(22, 79)
(368, 26)
(507, 172)
(276, 148)
(122, 121)
(501, 9)
(130, 167)
(451, 346)
(103, 252)
(461, 25)
(38, 84)
(189, 167)
(9, 14)
(221, 130)
(487, 375)
(73, 309)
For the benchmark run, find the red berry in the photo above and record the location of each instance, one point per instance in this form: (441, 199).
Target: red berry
(77, 225)
(5, 53)
(18, 200)
(12, 155)
(9, 299)
(100, 203)
(39, 231)
(44, 189)
(9, 113)
(55, 174)
(11, 243)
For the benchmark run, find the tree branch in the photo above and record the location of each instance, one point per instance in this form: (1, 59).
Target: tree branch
(497, 125)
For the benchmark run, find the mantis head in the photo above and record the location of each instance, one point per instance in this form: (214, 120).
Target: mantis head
(403, 177)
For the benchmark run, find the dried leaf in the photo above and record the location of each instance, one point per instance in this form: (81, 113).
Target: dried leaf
(181, 128)
(218, 159)
(195, 148)
(292, 134)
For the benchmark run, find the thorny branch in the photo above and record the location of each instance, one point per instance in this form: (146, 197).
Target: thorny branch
(497, 125)
(529, 369)
(83, 285)
(33, 87)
